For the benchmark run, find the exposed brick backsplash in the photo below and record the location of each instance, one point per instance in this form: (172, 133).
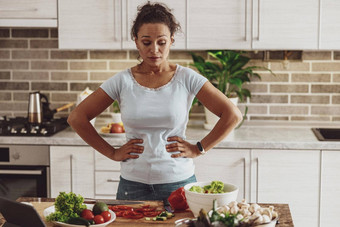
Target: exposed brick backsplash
(306, 89)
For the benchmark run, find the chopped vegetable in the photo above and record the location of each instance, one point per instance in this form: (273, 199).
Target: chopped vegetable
(213, 188)
(177, 199)
(67, 205)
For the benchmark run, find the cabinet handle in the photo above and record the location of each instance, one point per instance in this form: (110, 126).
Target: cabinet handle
(127, 21)
(258, 21)
(245, 23)
(257, 179)
(111, 180)
(115, 37)
(19, 10)
(21, 172)
(244, 178)
(71, 172)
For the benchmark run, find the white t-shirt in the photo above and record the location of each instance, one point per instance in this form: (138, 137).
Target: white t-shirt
(154, 114)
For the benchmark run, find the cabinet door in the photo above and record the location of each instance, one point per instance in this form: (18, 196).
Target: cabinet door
(329, 25)
(90, 24)
(219, 24)
(72, 169)
(288, 176)
(227, 165)
(286, 24)
(330, 189)
(130, 12)
(32, 13)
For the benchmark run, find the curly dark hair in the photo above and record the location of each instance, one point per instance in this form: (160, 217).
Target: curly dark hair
(154, 13)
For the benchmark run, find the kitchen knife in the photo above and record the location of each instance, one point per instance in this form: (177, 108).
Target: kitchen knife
(113, 201)
(167, 206)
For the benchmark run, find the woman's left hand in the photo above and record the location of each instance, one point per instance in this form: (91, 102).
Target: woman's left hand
(185, 148)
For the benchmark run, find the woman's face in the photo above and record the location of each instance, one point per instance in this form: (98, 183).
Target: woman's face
(153, 43)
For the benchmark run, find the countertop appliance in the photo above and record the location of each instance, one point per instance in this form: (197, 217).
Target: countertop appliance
(24, 171)
(327, 134)
(19, 126)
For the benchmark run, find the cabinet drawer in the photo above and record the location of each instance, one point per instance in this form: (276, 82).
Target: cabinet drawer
(104, 163)
(28, 9)
(107, 182)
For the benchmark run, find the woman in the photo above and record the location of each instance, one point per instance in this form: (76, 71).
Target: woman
(155, 97)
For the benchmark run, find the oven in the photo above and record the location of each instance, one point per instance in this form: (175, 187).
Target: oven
(24, 171)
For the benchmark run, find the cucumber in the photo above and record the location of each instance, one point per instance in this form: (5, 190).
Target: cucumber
(78, 221)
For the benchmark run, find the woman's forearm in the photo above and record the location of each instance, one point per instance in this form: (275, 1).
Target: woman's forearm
(227, 122)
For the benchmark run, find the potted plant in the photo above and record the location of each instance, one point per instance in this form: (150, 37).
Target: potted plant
(229, 75)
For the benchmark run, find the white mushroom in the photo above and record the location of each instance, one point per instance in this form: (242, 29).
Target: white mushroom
(254, 207)
(267, 212)
(232, 203)
(259, 220)
(234, 209)
(266, 219)
(244, 211)
(240, 204)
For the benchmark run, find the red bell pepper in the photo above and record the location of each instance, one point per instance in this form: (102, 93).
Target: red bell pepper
(177, 199)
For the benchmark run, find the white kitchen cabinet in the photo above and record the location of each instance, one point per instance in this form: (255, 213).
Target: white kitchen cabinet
(89, 24)
(219, 24)
(329, 25)
(286, 24)
(227, 165)
(107, 174)
(330, 189)
(72, 169)
(288, 176)
(255, 24)
(28, 13)
(105, 24)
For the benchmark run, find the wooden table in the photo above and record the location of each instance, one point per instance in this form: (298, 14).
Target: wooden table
(42, 203)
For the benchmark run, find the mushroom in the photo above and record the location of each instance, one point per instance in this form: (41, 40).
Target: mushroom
(254, 207)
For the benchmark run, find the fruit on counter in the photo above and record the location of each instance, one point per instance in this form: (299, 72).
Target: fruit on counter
(178, 200)
(106, 215)
(99, 207)
(113, 128)
(117, 128)
(98, 219)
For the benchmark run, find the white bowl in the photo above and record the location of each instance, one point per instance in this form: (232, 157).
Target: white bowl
(51, 209)
(197, 201)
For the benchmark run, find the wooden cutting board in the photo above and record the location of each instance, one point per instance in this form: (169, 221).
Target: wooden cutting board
(41, 206)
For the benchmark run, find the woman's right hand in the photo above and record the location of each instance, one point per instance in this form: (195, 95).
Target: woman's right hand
(124, 152)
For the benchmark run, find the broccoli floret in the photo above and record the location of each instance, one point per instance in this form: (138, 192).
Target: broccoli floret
(196, 189)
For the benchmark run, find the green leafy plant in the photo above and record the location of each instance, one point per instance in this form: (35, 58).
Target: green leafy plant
(230, 74)
(115, 107)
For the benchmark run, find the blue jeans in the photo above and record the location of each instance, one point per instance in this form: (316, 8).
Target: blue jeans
(131, 190)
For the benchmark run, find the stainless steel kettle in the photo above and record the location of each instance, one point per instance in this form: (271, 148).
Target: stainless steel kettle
(35, 112)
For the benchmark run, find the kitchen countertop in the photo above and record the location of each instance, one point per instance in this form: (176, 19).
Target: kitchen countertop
(252, 135)
(40, 204)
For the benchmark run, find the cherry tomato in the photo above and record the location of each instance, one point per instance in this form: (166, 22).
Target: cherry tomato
(87, 214)
(106, 215)
(98, 219)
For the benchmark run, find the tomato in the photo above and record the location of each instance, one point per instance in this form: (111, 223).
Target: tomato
(106, 215)
(152, 213)
(132, 215)
(98, 219)
(116, 128)
(87, 214)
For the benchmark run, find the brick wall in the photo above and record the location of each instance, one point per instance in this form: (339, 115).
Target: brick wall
(306, 89)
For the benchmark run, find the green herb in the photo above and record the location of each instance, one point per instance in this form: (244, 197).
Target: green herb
(67, 205)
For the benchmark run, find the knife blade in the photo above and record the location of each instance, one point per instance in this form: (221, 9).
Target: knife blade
(167, 206)
(113, 201)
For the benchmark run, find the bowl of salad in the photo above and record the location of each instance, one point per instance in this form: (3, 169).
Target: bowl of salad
(200, 195)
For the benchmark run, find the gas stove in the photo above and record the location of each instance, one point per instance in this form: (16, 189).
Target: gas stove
(19, 126)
